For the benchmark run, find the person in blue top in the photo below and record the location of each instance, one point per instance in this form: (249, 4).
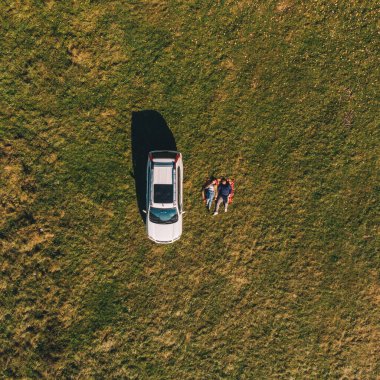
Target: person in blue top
(224, 190)
(208, 192)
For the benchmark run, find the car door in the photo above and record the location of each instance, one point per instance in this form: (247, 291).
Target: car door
(179, 189)
(148, 184)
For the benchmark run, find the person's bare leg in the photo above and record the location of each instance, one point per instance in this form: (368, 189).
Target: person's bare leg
(218, 202)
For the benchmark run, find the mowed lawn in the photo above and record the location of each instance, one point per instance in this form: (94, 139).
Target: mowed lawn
(280, 95)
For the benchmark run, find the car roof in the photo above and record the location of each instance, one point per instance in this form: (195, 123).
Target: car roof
(163, 173)
(162, 183)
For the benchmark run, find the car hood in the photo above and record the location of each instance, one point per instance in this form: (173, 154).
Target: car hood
(164, 233)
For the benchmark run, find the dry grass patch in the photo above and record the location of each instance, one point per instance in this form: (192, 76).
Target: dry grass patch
(80, 56)
(284, 5)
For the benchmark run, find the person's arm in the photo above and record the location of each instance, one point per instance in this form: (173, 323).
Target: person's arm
(204, 192)
(217, 193)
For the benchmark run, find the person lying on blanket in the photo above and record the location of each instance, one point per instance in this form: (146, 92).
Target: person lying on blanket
(224, 191)
(208, 191)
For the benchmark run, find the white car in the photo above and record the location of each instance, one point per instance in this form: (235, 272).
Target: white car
(164, 196)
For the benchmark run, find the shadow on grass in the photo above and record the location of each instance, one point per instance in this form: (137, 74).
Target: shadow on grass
(149, 131)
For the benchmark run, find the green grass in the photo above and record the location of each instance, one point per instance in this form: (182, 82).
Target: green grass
(283, 96)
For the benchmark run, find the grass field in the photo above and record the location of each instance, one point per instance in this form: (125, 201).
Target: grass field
(281, 95)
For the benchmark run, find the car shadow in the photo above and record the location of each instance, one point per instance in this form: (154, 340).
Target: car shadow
(149, 131)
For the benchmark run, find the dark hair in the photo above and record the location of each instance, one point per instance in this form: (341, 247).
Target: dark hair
(223, 179)
(208, 182)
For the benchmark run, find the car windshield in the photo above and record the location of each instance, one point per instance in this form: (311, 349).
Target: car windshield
(163, 193)
(163, 215)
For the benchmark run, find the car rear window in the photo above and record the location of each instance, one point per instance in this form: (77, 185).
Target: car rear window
(164, 154)
(163, 194)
